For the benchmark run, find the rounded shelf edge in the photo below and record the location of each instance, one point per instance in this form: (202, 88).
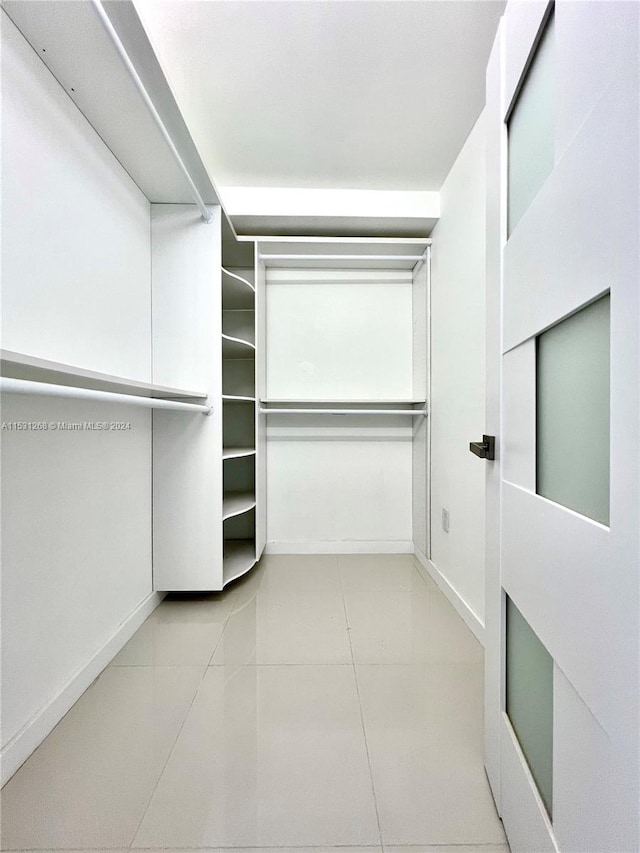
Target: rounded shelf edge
(238, 278)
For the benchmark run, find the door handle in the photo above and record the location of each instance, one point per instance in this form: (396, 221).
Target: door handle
(485, 449)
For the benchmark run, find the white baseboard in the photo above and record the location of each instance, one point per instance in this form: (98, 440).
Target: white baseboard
(349, 546)
(31, 735)
(471, 618)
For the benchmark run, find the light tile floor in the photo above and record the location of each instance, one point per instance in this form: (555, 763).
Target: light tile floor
(320, 702)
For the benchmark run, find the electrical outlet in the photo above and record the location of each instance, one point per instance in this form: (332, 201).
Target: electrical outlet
(445, 520)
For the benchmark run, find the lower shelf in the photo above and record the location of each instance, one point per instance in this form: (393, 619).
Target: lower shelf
(239, 557)
(235, 503)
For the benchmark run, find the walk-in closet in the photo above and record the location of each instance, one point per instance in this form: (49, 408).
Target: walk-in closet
(319, 432)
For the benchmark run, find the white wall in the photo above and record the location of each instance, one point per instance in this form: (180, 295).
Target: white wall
(458, 379)
(76, 506)
(338, 489)
(75, 230)
(339, 484)
(339, 335)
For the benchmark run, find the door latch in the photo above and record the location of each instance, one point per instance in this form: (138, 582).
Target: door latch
(485, 449)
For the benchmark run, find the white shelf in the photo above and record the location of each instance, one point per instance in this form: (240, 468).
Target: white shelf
(238, 397)
(334, 402)
(14, 365)
(237, 348)
(235, 503)
(345, 252)
(316, 411)
(237, 452)
(239, 557)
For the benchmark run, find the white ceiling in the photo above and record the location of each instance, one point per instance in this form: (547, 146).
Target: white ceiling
(354, 94)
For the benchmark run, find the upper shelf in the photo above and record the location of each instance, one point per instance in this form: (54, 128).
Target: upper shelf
(342, 253)
(19, 366)
(74, 44)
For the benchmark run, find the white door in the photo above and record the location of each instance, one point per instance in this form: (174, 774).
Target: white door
(563, 542)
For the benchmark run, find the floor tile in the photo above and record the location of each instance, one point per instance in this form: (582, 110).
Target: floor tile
(294, 616)
(285, 578)
(450, 639)
(366, 572)
(268, 756)
(88, 784)
(424, 732)
(289, 574)
(312, 564)
(182, 631)
(411, 624)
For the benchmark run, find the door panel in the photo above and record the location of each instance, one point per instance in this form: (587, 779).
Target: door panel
(575, 579)
(556, 566)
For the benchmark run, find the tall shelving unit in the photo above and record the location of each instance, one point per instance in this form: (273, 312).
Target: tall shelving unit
(205, 500)
(239, 451)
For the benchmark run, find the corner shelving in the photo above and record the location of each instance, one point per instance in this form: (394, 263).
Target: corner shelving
(238, 423)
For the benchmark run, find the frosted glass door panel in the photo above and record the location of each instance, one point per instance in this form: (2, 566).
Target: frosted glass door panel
(531, 131)
(573, 412)
(529, 699)
(340, 340)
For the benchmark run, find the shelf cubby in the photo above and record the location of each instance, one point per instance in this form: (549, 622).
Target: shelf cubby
(239, 324)
(238, 423)
(237, 347)
(239, 556)
(238, 293)
(238, 377)
(237, 503)
(239, 474)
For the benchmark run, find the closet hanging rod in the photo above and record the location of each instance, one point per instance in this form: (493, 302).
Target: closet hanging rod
(412, 412)
(45, 389)
(115, 38)
(270, 257)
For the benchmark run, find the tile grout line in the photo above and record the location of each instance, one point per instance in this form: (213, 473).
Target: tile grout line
(464, 846)
(355, 675)
(178, 733)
